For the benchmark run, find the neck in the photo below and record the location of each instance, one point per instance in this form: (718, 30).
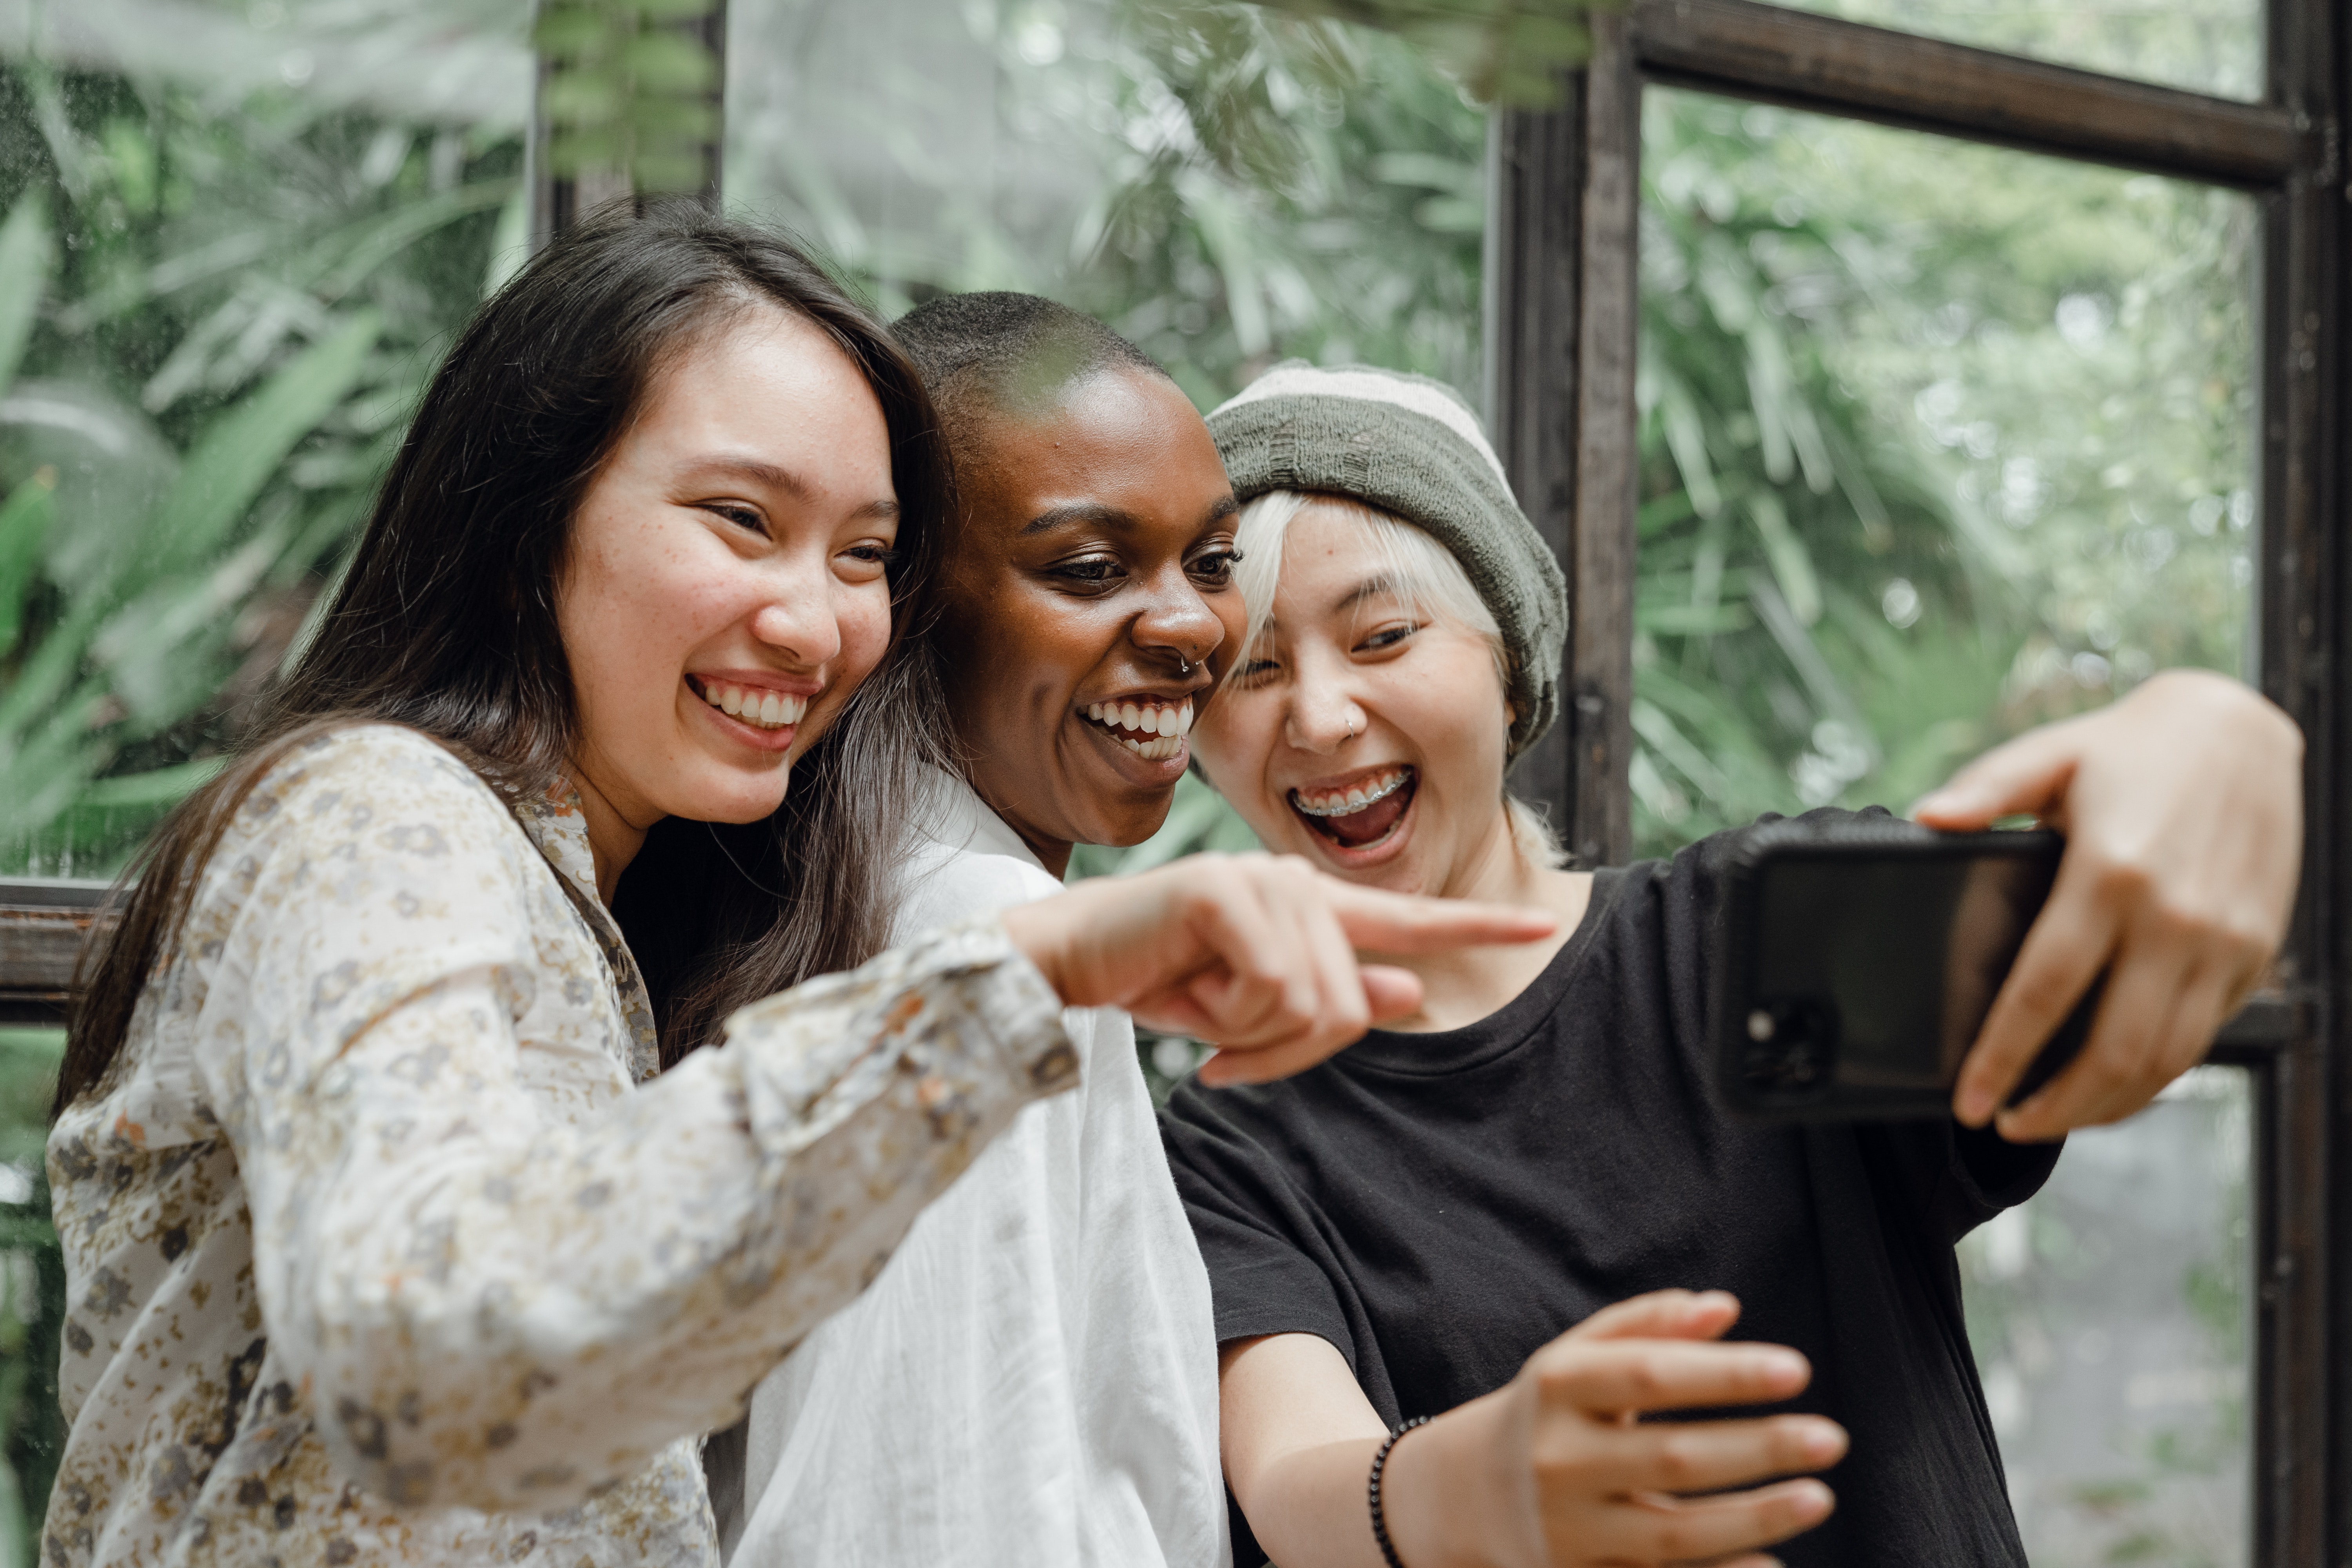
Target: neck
(1466, 985)
(1054, 854)
(612, 840)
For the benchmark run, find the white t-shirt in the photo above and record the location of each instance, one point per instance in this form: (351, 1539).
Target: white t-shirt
(1032, 1380)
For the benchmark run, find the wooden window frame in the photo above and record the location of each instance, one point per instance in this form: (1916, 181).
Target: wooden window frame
(1562, 306)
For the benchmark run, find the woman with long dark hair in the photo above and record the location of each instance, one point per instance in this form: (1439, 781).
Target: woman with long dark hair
(380, 1245)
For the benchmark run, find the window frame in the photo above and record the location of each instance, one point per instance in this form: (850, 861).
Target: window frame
(1562, 307)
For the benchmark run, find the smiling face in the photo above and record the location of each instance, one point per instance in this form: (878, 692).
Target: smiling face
(723, 589)
(1088, 605)
(1362, 732)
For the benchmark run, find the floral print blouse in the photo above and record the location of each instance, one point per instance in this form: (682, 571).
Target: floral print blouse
(380, 1247)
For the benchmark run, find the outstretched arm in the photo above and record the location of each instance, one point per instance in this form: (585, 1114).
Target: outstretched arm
(1552, 1470)
(496, 1300)
(2182, 806)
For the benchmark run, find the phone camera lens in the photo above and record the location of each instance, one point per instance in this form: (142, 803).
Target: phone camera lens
(1793, 1046)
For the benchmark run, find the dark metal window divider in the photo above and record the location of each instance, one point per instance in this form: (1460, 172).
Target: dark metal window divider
(1563, 301)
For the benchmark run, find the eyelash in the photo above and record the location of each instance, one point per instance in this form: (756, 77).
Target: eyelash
(1380, 641)
(1097, 571)
(751, 521)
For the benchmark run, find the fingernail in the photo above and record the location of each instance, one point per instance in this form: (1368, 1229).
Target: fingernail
(1975, 1106)
(1823, 1442)
(1814, 1498)
(1780, 1366)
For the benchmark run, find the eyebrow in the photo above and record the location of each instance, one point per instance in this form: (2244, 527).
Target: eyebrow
(1112, 517)
(1371, 587)
(773, 478)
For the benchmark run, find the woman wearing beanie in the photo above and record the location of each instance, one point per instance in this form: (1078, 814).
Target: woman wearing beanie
(1482, 1226)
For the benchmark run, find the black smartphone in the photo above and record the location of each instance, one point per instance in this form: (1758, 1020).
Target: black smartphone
(1857, 961)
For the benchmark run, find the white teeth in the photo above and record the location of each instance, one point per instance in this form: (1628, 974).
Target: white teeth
(763, 710)
(1155, 729)
(1353, 800)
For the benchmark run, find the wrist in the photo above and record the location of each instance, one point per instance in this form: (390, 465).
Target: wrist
(1438, 1493)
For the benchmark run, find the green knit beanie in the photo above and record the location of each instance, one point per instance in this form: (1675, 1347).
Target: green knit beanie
(1409, 445)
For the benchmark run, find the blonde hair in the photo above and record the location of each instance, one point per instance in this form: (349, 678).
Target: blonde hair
(1427, 581)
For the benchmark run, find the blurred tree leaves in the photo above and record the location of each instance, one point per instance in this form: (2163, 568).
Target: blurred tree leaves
(630, 87)
(32, 1294)
(1506, 53)
(211, 323)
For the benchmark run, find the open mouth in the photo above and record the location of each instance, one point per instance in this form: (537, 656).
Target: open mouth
(758, 706)
(1361, 814)
(1153, 730)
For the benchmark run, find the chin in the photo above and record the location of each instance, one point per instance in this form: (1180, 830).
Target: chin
(1132, 828)
(735, 800)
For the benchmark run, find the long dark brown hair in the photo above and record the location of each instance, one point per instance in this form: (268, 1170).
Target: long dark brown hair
(445, 623)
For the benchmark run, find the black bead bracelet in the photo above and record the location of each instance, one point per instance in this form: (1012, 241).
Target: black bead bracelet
(1372, 1491)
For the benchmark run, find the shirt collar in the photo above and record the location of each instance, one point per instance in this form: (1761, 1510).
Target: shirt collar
(558, 828)
(954, 815)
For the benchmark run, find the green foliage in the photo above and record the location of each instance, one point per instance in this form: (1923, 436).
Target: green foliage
(1323, 195)
(32, 1294)
(1936, 442)
(206, 377)
(630, 87)
(1509, 53)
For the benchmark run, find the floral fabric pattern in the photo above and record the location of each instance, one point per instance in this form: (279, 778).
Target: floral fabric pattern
(380, 1247)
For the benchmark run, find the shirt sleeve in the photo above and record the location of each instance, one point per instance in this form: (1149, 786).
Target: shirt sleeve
(1955, 1178)
(492, 1306)
(1257, 1235)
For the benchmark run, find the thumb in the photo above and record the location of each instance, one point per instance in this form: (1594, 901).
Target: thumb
(2028, 775)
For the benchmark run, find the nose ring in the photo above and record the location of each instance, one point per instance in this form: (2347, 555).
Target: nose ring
(1183, 665)
(1351, 729)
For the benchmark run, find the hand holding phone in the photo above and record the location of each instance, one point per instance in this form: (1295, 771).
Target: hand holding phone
(2181, 804)
(1859, 957)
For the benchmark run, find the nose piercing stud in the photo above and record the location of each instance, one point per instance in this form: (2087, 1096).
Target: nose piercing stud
(1183, 665)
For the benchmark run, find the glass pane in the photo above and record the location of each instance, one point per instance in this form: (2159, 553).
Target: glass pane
(1225, 187)
(234, 238)
(1938, 441)
(2109, 1319)
(2205, 46)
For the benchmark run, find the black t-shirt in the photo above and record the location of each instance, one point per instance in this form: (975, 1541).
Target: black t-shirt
(1441, 1205)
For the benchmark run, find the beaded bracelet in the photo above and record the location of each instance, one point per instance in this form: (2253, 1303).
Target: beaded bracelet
(1372, 1490)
